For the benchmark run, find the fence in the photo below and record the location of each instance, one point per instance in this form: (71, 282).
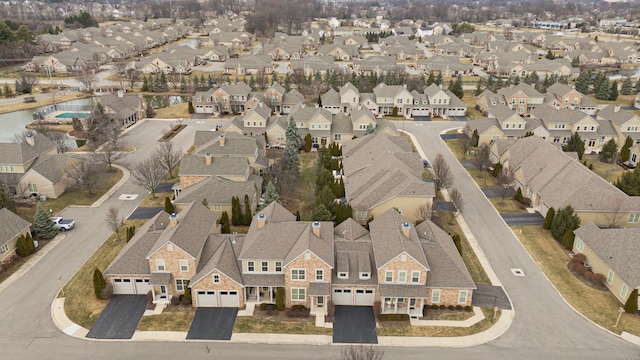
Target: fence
(39, 115)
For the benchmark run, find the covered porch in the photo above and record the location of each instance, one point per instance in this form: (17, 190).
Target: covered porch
(159, 282)
(318, 295)
(261, 288)
(403, 299)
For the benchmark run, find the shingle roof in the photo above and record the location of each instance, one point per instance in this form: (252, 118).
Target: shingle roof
(618, 248)
(389, 241)
(53, 167)
(192, 165)
(219, 191)
(220, 253)
(616, 115)
(12, 226)
(354, 254)
(234, 145)
(264, 280)
(319, 288)
(22, 153)
(402, 290)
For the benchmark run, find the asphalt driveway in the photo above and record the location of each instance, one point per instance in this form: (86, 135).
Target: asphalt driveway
(496, 193)
(490, 296)
(354, 325)
(523, 219)
(120, 318)
(212, 323)
(145, 213)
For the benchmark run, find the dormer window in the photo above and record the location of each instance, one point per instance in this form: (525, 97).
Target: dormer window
(365, 275)
(343, 275)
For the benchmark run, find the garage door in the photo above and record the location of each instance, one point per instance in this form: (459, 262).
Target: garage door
(342, 297)
(206, 299)
(122, 286)
(364, 297)
(229, 299)
(142, 286)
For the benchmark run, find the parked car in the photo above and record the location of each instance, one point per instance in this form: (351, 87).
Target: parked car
(62, 224)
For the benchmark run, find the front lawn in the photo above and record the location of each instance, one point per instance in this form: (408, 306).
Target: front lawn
(106, 180)
(609, 172)
(442, 331)
(250, 325)
(80, 304)
(149, 201)
(174, 111)
(507, 206)
(599, 306)
(167, 321)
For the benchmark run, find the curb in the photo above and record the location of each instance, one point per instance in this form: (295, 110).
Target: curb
(126, 174)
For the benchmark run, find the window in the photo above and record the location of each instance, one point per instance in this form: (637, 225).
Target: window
(435, 296)
(217, 207)
(623, 291)
(278, 266)
(578, 128)
(298, 294)
(33, 188)
(216, 279)
(184, 265)
(298, 274)
(4, 248)
(264, 267)
(251, 266)
(181, 284)
(462, 297)
(610, 277)
(415, 277)
(402, 277)
(634, 217)
(343, 275)
(580, 245)
(361, 215)
(337, 137)
(388, 276)
(160, 265)
(365, 275)
(319, 274)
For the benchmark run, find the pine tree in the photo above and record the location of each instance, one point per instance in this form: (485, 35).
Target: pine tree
(475, 138)
(631, 305)
(280, 298)
(613, 92)
(42, 224)
(575, 144)
(575, 62)
(627, 87)
(320, 213)
(625, 152)
(236, 212)
(439, 79)
(22, 247)
(246, 218)
(567, 239)
(98, 283)
(6, 201)
(270, 195)
(636, 86)
(308, 143)
(190, 109)
(168, 206)
(609, 151)
(518, 196)
(298, 218)
(225, 226)
(431, 79)
(287, 83)
(603, 91)
(292, 135)
(565, 219)
(369, 130)
(548, 219)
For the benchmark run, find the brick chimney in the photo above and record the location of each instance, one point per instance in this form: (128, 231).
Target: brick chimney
(173, 219)
(222, 140)
(262, 220)
(207, 158)
(406, 229)
(616, 108)
(30, 139)
(315, 227)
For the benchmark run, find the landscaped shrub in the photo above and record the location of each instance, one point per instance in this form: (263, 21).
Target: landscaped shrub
(280, 298)
(298, 308)
(377, 308)
(631, 306)
(185, 301)
(175, 300)
(459, 307)
(393, 317)
(451, 307)
(548, 219)
(589, 276)
(518, 196)
(297, 311)
(468, 308)
(599, 279)
(526, 201)
(578, 258)
(267, 306)
(581, 269)
(442, 307)
(572, 265)
(98, 283)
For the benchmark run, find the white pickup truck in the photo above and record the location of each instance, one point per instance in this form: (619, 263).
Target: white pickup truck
(62, 224)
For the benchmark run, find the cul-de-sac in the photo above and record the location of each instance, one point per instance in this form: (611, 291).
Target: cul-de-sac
(323, 179)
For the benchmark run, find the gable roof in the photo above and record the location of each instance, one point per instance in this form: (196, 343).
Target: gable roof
(220, 253)
(22, 153)
(389, 241)
(53, 167)
(219, 191)
(12, 225)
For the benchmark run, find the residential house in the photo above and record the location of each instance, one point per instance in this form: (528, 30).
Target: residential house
(249, 64)
(13, 226)
(339, 52)
(443, 103)
(564, 122)
(312, 64)
(625, 123)
(229, 98)
(48, 175)
(17, 158)
(522, 98)
(315, 121)
(376, 65)
(389, 97)
(561, 95)
(125, 109)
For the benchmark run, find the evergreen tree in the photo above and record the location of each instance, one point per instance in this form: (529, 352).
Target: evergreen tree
(370, 130)
(22, 249)
(7, 92)
(29, 243)
(236, 212)
(42, 224)
(320, 213)
(98, 283)
(475, 138)
(225, 226)
(439, 79)
(613, 92)
(518, 196)
(603, 91)
(292, 135)
(308, 143)
(575, 144)
(575, 62)
(548, 219)
(280, 298)
(190, 107)
(343, 212)
(567, 239)
(565, 219)
(609, 151)
(326, 199)
(145, 84)
(324, 178)
(627, 87)
(431, 79)
(631, 305)
(636, 86)
(298, 218)
(168, 205)
(478, 90)
(457, 242)
(274, 77)
(270, 194)
(287, 83)
(625, 152)
(550, 55)
(629, 182)
(252, 82)
(246, 218)
(6, 201)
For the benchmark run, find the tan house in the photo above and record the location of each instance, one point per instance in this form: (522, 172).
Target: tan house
(522, 98)
(17, 158)
(13, 226)
(48, 175)
(612, 253)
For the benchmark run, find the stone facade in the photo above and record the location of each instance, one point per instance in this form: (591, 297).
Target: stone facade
(226, 283)
(172, 255)
(397, 265)
(309, 265)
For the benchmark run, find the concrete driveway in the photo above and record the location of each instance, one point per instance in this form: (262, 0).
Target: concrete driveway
(120, 318)
(523, 219)
(213, 323)
(354, 325)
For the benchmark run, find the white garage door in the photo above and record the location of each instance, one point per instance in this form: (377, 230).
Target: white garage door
(364, 297)
(342, 297)
(206, 298)
(122, 286)
(543, 209)
(229, 299)
(142, 286)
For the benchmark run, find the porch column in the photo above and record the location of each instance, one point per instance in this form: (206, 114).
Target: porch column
(395, 306)
(258, 288)
(153, 293)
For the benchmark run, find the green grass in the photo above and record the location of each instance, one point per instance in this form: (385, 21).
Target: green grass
(441, 331)
(106, 180)
(167, 321)
(149, 201)
(250, 325)
(599, 306)
(80, 304)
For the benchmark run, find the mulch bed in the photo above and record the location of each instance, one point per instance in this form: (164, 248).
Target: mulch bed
(582, 278)
(288, 315)
(173, 132)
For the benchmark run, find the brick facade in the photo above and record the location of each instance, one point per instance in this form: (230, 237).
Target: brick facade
(408, 265)
(310, 267)
(449, 297)
(172, 264)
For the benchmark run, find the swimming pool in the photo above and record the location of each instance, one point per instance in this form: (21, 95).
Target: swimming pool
(69, 115)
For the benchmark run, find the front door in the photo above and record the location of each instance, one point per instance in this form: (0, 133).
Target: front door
(163, 291)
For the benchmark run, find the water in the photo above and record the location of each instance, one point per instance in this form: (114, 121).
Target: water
(193, 43)
(160, 101)
(623, 73)
(14, 122)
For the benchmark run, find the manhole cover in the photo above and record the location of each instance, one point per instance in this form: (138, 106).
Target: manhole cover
(199, 122)
(128, 197)
(517, 272)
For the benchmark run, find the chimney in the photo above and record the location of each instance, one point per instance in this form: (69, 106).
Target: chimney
(315, 227)
(29, 138)
(404, 86)
(406, 229)
(222, 140)
(616, 108)
(120, 93)
(262, 220)
(207, 158)
(173, 219)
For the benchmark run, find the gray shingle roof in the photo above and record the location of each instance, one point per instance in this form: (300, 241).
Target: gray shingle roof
(234, 145)
(12, 225)
(319, 288)
(191, 165)
(402, 290)
(53, 167)
(389, 241)
(263, 279)
(220, 253)
(22, 153)
(618, 248)
(218, 191)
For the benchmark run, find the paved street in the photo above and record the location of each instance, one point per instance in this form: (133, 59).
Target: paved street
(544, 326)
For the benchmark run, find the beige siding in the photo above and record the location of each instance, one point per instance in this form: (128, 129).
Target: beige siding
(449, 297)
(45, 186)
(12, 248)
(408, 205)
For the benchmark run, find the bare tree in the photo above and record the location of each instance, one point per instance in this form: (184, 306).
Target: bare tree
(261, 79)
(21, 136)
(82, 174)
(168, 156)
(97, 125)
(361, 352)
(148, 173)
(112, 151)
(298, 79)
(441, 172)
(174, 80)
(481, 159)
(456, 199)
(87, 79)
(132, 76)
(120, 69)
(424, 212)
(506, 180)
(465, 144)
(58, 137)
(113, 220)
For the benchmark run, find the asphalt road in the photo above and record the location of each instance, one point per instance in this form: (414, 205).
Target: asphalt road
(544, 326)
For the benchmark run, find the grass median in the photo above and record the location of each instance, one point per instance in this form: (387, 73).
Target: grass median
(250, 325)
(442, 331)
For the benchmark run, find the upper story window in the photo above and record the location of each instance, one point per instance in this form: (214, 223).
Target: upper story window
(388, 276)
(319, 275)
(160, 265)
(264, 266)
(415, 277)
(278, 266)
(216, 278)
(184, 265)
(298, 274)
(402, 277)
(251, 266)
